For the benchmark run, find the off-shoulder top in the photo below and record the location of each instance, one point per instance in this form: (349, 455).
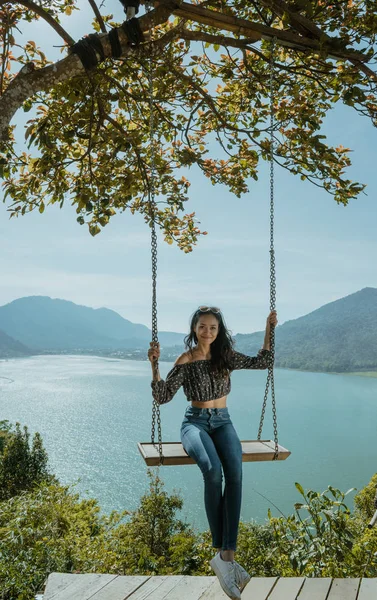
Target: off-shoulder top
(200, 383)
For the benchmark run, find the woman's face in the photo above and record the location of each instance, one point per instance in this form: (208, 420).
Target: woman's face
(206, 329)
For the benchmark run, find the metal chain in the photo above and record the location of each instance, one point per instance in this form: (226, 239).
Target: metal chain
(156, 416)
(270, 375)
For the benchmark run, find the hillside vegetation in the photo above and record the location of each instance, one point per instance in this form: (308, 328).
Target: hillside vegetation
(338, 337)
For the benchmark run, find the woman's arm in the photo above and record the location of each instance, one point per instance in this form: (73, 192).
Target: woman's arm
(163, 391)
(272, 321)
(243, 361)
(264, 356)
(154, 355)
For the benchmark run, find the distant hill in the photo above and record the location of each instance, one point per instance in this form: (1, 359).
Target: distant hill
(55, 325)
(340, 337)
(10, 348)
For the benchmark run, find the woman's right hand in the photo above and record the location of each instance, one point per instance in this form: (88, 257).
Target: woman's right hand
(154, 352)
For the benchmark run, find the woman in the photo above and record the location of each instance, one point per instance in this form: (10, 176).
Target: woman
(207, 433)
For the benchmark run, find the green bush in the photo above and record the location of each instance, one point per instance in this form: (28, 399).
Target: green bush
(258, 551)
(318, 543)
(154, 541)
(22, 466)
(51, 529)
(365, 547)
(46, 527)
(364, 500)
(45, 530)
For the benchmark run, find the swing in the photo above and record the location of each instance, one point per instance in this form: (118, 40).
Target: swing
(173, 453)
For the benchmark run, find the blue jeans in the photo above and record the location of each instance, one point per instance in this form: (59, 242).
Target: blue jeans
(208, 436)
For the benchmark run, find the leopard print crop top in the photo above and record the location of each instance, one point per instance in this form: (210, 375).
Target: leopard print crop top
(200, 383)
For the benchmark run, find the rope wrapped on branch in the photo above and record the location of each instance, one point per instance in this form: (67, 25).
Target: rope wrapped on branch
(133, 31)
(90, 50)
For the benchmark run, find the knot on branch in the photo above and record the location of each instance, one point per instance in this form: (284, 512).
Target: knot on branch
(90, 50)
(133, 31)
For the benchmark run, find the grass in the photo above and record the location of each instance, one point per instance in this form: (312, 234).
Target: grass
(363, 373)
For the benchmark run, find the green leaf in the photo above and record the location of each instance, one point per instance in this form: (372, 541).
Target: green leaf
(27, 105)
(94, 229)
(300, 488)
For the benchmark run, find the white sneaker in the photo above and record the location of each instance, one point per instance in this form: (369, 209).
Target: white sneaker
(242, 576)
(226, 573)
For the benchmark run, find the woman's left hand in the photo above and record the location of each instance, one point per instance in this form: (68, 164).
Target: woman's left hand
(272, 319)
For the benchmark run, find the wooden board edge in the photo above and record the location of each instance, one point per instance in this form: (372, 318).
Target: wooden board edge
(154, 461)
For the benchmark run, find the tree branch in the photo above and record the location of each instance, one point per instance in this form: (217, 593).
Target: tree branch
(257, 31)
(25, 85)
(364, 68)
(222, 40)
(212, 104)
(98, 16)
(301, 23)
(38, 10)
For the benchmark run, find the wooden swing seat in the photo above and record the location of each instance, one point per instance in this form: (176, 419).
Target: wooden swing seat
(174, 454)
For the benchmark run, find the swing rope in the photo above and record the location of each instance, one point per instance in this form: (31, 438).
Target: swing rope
(156, 415)
(270, 376)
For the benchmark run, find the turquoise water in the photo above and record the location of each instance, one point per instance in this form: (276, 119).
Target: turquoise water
(92, 412)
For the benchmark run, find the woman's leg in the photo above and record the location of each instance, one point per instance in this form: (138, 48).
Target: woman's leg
(229, 450)
(199, 445)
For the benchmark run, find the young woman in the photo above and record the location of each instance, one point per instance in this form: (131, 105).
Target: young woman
(207, 433)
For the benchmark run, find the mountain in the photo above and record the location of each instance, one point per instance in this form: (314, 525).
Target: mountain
(55, 325)
(10, 348)
(340, 337)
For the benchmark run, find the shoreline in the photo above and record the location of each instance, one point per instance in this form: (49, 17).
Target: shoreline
(372, 374)
(362, 374)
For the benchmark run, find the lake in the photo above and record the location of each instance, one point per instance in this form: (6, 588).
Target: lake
(91, 412)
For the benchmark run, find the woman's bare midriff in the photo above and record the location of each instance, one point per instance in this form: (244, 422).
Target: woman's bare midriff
(218, 403)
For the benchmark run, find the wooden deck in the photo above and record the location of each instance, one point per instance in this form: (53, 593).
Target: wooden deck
(62, 586)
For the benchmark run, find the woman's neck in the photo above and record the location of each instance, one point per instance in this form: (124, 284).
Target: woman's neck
(203, 350)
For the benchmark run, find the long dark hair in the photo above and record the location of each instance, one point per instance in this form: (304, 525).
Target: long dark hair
(221, 348)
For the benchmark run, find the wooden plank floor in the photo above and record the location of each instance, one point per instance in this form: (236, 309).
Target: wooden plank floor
(66, 586)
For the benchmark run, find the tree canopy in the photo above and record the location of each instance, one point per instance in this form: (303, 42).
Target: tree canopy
(204, 72)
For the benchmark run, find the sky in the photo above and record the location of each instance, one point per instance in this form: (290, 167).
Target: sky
(324, 251)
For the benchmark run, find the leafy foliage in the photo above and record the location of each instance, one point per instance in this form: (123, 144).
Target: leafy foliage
(49, 528)
(52, 529)
(154, 541)
(364, 501)
(41, 531)
(320, 544)
(88, 140)
(22, 466)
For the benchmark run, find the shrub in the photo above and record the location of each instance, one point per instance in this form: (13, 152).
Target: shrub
(320, 543)
(22, 466)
